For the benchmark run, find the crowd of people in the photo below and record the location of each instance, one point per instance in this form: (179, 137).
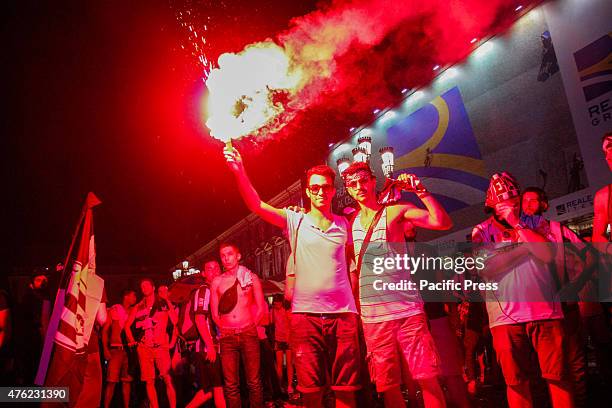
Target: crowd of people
(332, 336)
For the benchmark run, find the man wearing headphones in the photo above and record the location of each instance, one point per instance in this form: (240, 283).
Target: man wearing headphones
(534, 203)
(523, 315)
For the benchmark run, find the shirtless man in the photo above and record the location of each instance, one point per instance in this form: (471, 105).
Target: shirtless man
(602, 239)
(233, 295)
(602, 203)
(151, 316)
(324, 325)
(394, 322)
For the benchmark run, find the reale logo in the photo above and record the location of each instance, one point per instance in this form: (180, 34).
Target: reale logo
(594, 63)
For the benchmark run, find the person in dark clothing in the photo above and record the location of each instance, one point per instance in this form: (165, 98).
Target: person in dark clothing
(33, 312)
(7, 360)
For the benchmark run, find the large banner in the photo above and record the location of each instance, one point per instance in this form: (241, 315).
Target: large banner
(437, 144)
(582, 36)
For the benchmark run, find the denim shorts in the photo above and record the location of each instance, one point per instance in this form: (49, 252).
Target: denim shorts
(326, 346)
(400, 345)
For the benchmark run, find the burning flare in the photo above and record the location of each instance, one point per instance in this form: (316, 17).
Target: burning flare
(250, 91)
(259, 90)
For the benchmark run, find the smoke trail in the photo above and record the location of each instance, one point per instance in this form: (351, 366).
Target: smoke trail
(345, 49)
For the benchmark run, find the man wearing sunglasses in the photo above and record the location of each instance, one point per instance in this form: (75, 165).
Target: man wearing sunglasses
(394, 321)
(324, 331)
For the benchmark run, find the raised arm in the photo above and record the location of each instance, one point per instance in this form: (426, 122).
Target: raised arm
(275, 216)
(536, 243)
(433, 217)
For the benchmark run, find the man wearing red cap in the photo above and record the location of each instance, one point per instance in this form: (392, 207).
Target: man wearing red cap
(522, 313)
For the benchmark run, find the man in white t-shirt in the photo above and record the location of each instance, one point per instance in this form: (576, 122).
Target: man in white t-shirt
(324, 330)
(522, 313)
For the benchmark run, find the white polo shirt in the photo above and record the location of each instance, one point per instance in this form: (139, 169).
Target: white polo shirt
(321, 278)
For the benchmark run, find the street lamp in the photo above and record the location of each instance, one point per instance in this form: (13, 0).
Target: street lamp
(388, 160)
(343, 164)
(365, 142)
(360, 154)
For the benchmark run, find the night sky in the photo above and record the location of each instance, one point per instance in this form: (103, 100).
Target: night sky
(100, 96)
(103, 99)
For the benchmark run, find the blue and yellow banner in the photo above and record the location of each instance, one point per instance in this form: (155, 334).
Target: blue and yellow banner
(437, 144)
(594, 64)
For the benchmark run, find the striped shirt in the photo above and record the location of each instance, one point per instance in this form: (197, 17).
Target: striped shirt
(382, 305)
(198, 304)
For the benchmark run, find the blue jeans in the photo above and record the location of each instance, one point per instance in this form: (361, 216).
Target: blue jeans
(234, 346)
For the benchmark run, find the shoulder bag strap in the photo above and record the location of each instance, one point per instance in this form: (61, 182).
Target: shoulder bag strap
(295, 241)
(367, 238)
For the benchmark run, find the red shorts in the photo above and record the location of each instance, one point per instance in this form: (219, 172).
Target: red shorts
(400, 343)
(151, 358)
(513, 344)
(326, 346)
(118, 366)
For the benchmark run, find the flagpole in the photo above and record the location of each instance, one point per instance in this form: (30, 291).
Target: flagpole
(60, 298)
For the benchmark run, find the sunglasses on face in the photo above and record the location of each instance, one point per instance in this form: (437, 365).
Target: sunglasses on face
(353, 183)
(317, 188)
